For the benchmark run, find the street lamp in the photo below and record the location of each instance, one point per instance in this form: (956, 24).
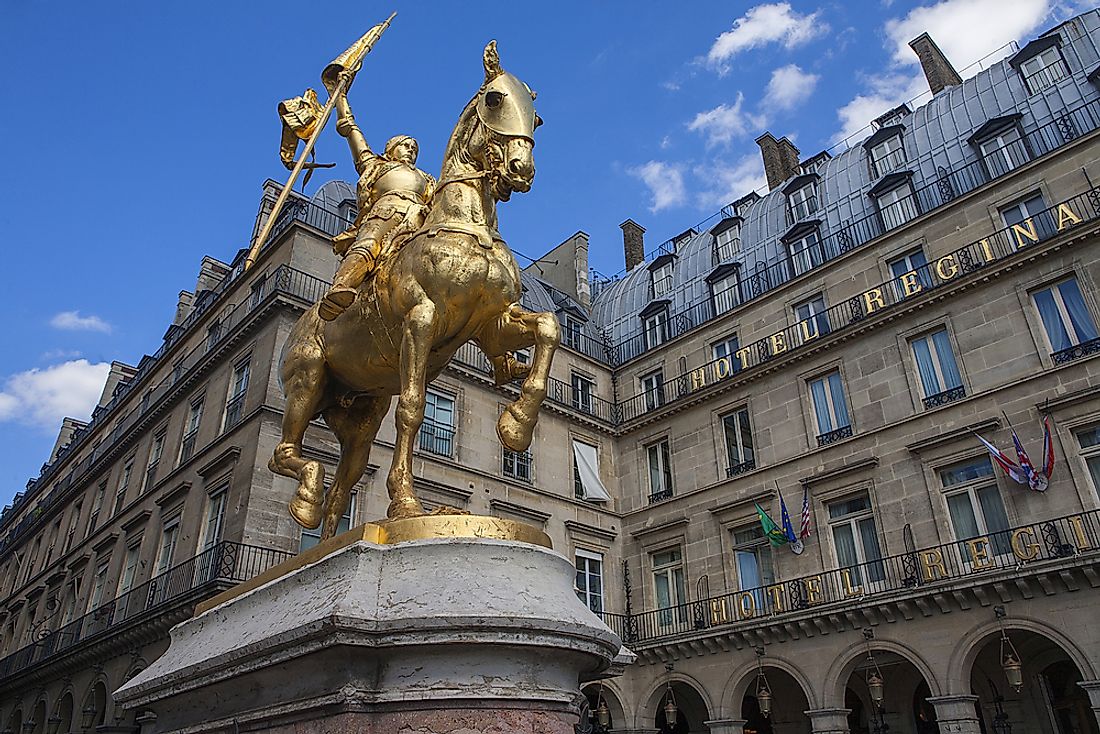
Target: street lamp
(670, 708)
(53, 724)
(1010, 658)
(763, 690)
(603, 716)
(876, 687)
(87, 716)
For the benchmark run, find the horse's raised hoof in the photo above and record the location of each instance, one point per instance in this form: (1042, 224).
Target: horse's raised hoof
(335, 303)
(515, 433)
(404, 507)
(308, 504)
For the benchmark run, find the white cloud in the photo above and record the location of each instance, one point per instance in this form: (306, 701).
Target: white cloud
(724, 183)
(665, 182)
(789, 87)
(763, 24)
(883, 93)
(42, 397)
(724, 122)
(965, 30)
(73, 321)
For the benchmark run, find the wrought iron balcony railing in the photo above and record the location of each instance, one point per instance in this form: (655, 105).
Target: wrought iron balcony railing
(221, 565)
(740, 468)
(947, 396)
(1016, 550)
(1076, 352)
(661, 496)
(833, 436)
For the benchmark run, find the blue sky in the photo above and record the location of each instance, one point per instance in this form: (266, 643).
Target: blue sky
(138, 136)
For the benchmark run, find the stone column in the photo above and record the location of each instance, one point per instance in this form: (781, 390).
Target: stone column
(1092, 687)
(956, 714)
(726, 726)
(829, 721)
(437, 636)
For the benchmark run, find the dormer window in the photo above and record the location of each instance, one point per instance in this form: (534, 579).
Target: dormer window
(1040, 63)
(727, 239)
(660, 272)
(801, 195)
(1000, 145)
(725, 287)
(895, 200)
(889, 155)
(655, 323)
(804, 248)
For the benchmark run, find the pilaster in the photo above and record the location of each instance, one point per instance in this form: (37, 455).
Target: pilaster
(956, 714)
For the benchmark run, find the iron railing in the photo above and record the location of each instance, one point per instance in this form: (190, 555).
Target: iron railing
(436, 438)
(1077, 351)
(838, 434)
(1014, 549)
(740, 468)
(937, 191)
(223, 564)
(947, 396)
(892, 161)
(516, 464)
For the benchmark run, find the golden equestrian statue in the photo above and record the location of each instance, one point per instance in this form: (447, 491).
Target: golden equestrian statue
(450, 281)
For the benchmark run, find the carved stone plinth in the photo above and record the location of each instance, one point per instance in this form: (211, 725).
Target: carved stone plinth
(432, 636)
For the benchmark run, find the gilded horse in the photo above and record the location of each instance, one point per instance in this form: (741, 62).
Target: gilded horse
(453, 281)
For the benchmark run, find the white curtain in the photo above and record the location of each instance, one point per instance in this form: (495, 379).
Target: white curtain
(588, 466)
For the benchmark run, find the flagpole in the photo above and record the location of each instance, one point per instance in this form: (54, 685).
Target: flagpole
(341, 83)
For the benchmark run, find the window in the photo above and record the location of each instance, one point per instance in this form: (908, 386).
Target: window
(311, 538)
(129, 570)
(256, 293)
(802, 202)
(887, 156)
(191, 429)
(582, 392)
(855, 539)
(213, 334)
(437, 432)
(571, 332)
(806, 252)
(1066, 318)
(97, 505)
(1044, 70)
(725, 292)
(662, 279)
(660, 470)
(234, 403)
(939, 375)
(752, 557)
(669, 588)
(70, 601)
(727, 349)
(1089, 440)
(155, 452)
(655, 328)
(123, 483)
(1028, 220)
(589, 586)
(653, 389)
(215, 517)
(913, 262)
(975, 506)
(813, 317)
(1003, 152)
(516, 464)
(897, 206)
(168, 536)
(98, 583)
(830, 408)
(740, 455)
(727, 243)
(587, 484)
(71, 535)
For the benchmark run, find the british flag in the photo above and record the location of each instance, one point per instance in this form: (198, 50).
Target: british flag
(1035, 480)
(1001, 459)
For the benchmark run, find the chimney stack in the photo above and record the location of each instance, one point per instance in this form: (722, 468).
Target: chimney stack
(633, 244)
(937, 69)
(780, 158)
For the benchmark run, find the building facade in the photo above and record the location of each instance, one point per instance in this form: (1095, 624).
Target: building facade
(834, 346)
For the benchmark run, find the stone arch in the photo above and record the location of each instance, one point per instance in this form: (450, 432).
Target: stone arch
(64, 710)
(643, 718)
(737, 685)
(39, 715)
(966, 652)
(836, 680)
(15, 719)
(611, 696)
(97, 695)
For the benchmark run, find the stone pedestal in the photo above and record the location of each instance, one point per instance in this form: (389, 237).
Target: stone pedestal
(1092, 687)
(726, 726)
(957, 714)
(829, 721)
(434, 636)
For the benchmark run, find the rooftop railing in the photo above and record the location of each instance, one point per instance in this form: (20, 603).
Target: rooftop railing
(1015, 549)
(224, 564)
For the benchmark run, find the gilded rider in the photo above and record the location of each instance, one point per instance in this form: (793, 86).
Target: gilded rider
(393, 196)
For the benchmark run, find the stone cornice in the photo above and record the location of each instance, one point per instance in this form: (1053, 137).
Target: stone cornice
(840, 471)
(943, 439)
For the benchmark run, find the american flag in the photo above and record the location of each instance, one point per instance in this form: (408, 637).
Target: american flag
(1001, 459)
(804, 531)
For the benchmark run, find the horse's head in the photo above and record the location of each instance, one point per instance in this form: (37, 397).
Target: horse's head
(505, 107)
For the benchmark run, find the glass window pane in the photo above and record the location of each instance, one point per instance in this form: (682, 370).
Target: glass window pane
(845, 545)
(1089, 437)
(930, 383)
(840, 405)
(966, 471)
(946, 357)
(1079, 316)
(1052, 320)
(1093, 463)
(821, 407)
(748, 571)
(962, 515)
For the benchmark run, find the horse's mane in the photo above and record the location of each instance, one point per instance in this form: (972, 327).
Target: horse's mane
(457, 149)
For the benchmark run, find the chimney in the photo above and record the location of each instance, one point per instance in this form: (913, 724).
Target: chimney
(937, 69)
(633, 244)
(780, 158)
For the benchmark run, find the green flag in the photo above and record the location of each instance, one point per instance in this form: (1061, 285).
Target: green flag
(774, 532)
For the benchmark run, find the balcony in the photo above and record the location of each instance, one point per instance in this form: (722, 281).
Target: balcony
(833, 436)
(436, 438)
(1083, 349)
(945, 397)
(221, 566)
(661, 496)
(1020, 552)
(741, 468)
(892, 161)
(517, 465)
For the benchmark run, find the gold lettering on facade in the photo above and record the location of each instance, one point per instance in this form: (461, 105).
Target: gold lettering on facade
(719, 611)
(723, 367)
(987, 251)
(979, 553)
(1066, 217)
(813, 589)
(849, 588)
(779, 344)
(776, 593)
(872, 300)
(1026, 229)
(1079, 536)
(746, 611)
(946, 267)
(911, 284)
(808, 334)
(741, 355)
(932, 561)
(698, 378)
(1028, 551)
